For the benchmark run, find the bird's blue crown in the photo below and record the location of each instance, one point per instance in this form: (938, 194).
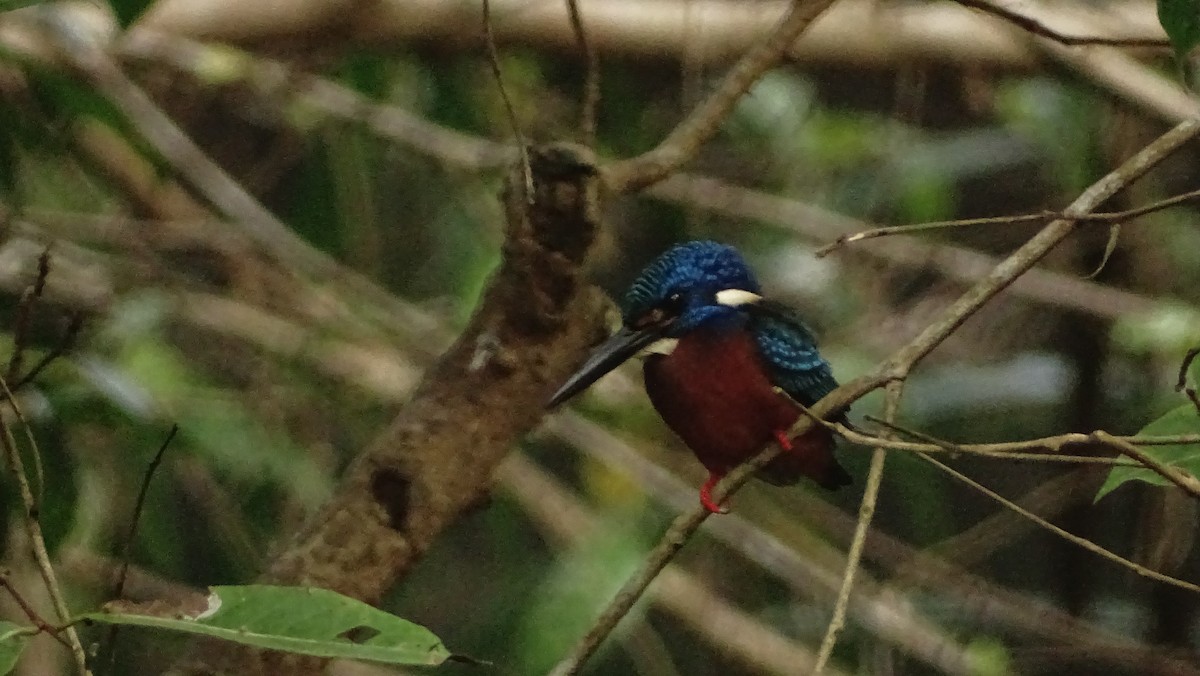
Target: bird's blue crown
(685, 280)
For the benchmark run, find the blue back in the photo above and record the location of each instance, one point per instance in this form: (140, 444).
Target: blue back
(790, 352)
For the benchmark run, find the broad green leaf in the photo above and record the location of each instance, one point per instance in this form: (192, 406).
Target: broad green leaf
(1181, 20)
(12, 642)
(300, 620)
(1182, 420)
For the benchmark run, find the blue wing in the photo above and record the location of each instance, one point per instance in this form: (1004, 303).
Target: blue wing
(790, 352)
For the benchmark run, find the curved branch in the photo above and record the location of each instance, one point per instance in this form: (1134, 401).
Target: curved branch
(703, 121)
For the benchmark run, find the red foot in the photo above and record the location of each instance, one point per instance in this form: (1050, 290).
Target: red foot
(706, 498)
(784, 441)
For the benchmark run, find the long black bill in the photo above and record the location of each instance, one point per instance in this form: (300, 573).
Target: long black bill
(608, 356)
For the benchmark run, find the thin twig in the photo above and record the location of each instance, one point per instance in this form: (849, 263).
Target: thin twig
(1182, 384)
(1111, 218)
(1038, 246)
(908, 229)
(1180, 478)
(138, 506)
(702, 123)
(1066, 535)
(25, 307)
(1009, 450)
(64, 346)
(866, 510)
(567, 522)
(130, 537)
(33, 526)
(30, 612)
(672, 541)
(1038, 28)
(591, 79)
(1175, 475)
(681, 530)
(493, 55)
(1017, 450)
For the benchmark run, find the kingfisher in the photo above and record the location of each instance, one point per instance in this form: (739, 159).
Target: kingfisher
(723, 366)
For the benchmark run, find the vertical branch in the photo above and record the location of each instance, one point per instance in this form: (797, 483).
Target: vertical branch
(130, 536)
(866, 511)
(591, 78)
(25, 307)
(33, 527)
(1182, 384)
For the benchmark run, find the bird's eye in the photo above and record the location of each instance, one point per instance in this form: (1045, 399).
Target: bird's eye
(666, 310)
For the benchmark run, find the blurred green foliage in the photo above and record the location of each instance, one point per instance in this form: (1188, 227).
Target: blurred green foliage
(265, 430)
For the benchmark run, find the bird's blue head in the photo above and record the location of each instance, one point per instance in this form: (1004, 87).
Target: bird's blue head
(693, 285)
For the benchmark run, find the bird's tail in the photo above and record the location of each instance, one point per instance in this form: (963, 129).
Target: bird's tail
(811, 456)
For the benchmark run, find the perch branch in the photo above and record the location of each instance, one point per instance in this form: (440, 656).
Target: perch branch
(1104, 218)
(896, 367)
(722, 624)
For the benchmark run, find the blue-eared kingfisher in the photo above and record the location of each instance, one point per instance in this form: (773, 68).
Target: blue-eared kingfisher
(723, 366)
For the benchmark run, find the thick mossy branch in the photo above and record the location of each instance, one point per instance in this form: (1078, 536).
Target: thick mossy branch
(535, 322)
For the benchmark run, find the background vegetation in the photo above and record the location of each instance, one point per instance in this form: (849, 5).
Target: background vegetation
(375, 133)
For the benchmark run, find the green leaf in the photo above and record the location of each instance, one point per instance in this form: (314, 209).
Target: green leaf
(1181, 20)
(1181, 420)
(300, 620)
(12, 642)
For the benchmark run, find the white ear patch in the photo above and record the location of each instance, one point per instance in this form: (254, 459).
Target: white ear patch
(736, 297)
(663, 346)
